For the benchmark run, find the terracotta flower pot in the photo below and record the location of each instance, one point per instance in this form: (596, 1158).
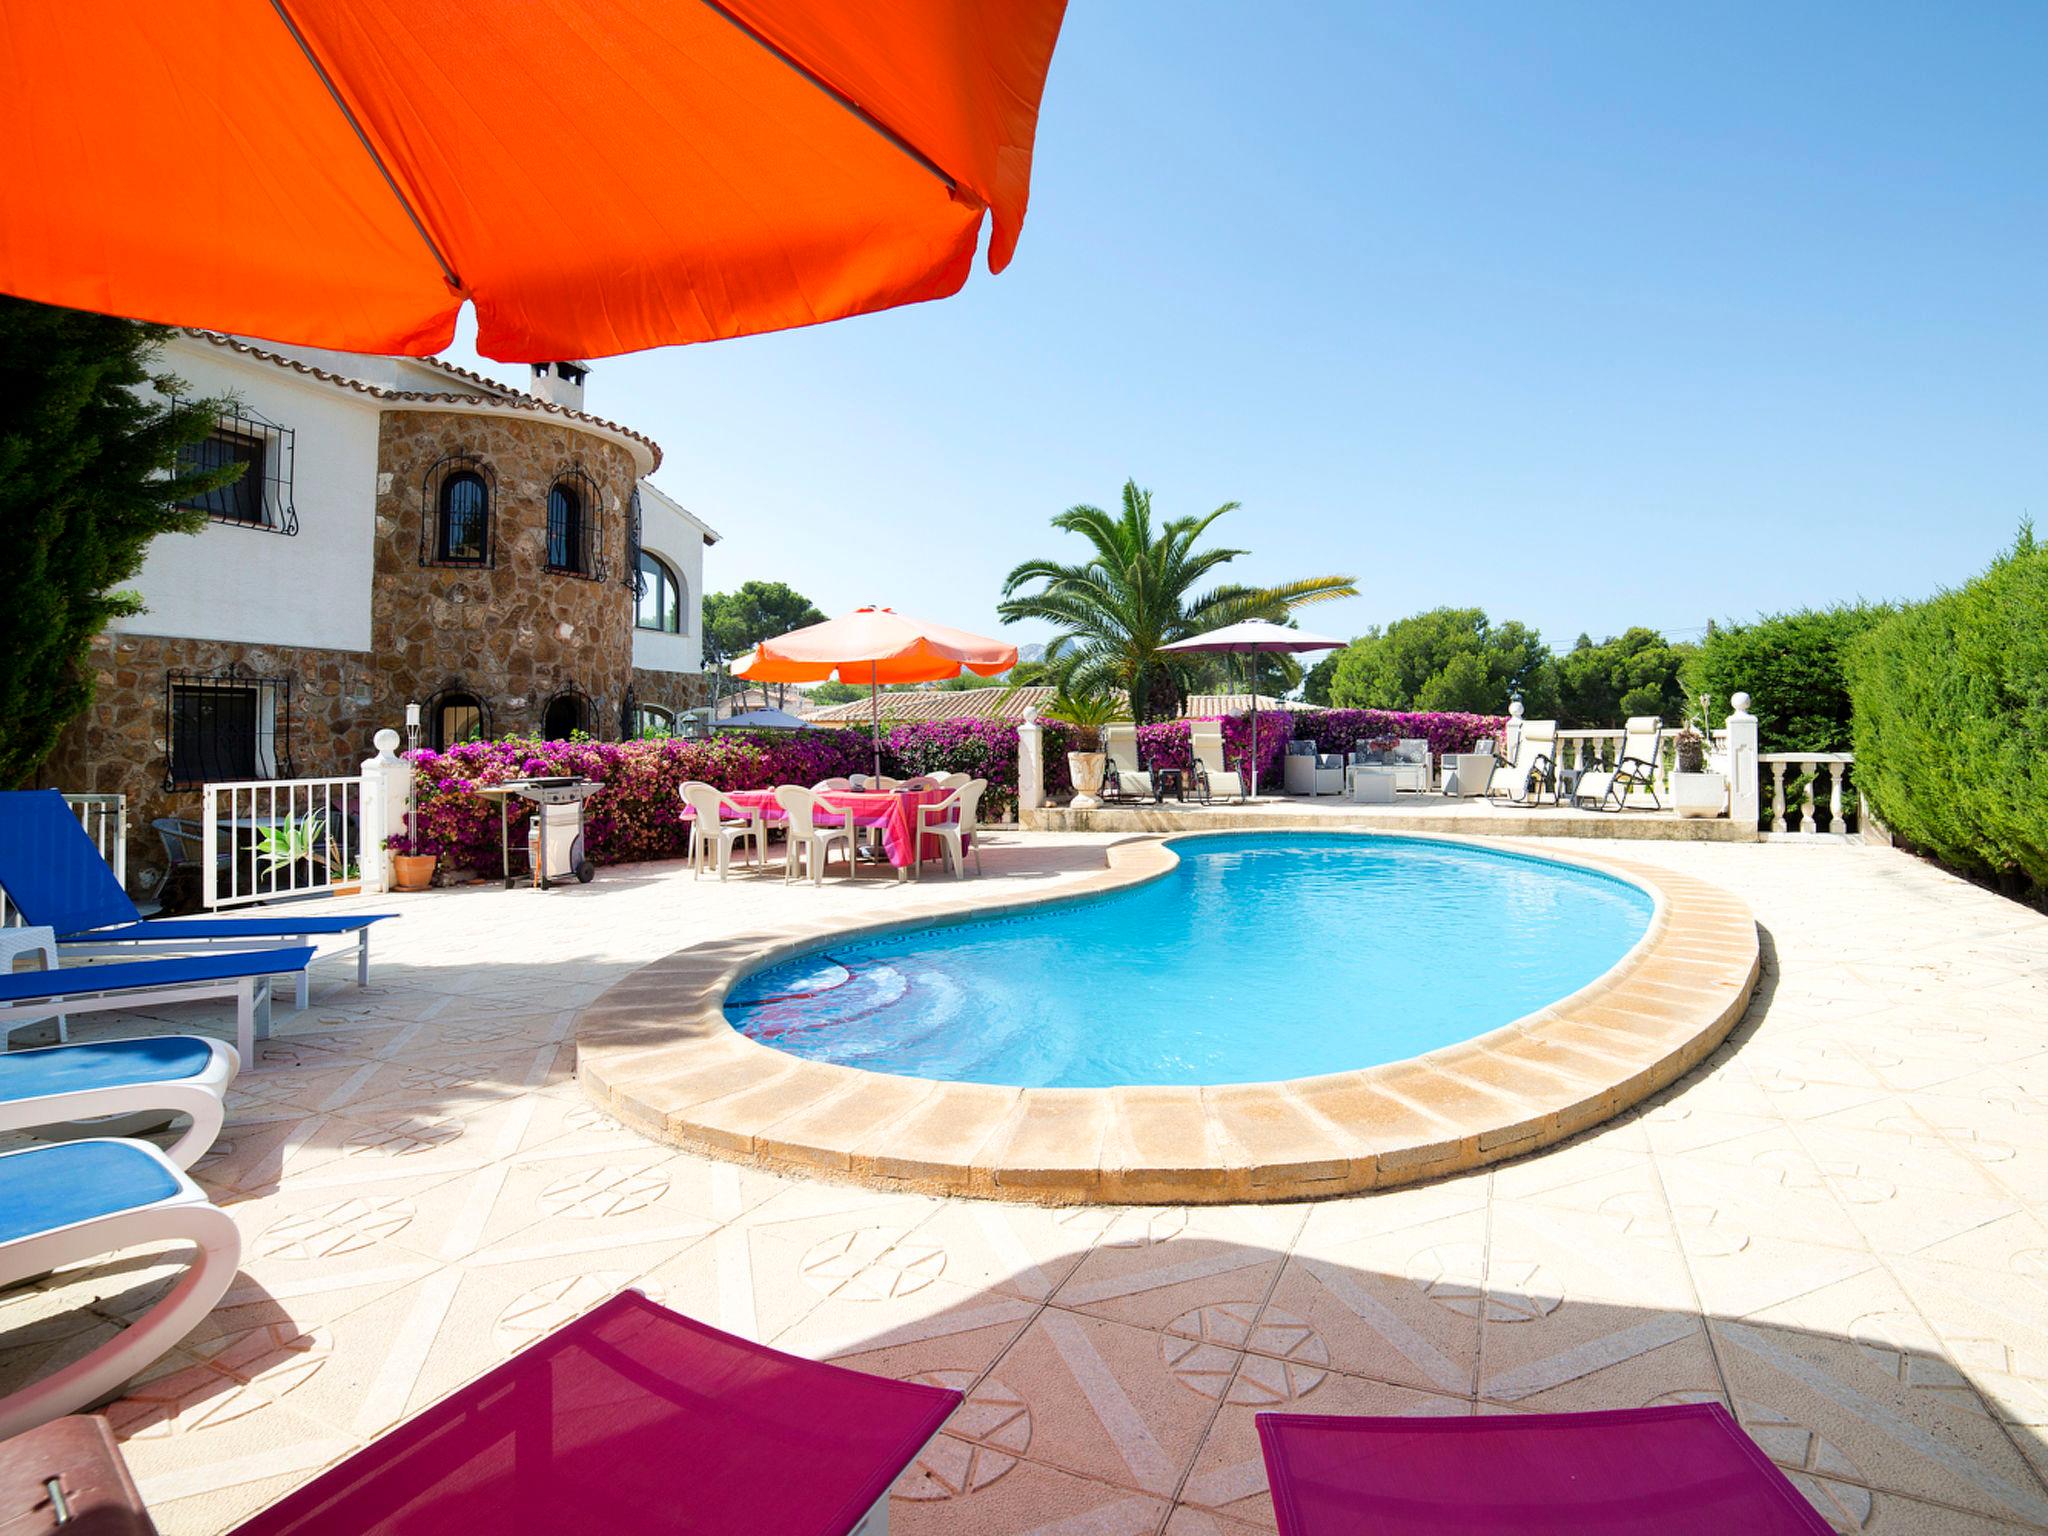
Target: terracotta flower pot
(414, 871)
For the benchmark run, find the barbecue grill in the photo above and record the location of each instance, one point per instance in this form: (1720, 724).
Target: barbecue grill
(554, 838)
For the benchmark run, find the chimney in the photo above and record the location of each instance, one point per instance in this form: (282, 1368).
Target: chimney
(560, 383)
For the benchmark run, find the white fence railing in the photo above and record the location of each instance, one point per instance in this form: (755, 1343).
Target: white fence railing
(268, 839)
(105, 819)
(1805, 771)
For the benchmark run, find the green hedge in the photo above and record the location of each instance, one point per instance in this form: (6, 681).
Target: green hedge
(1793, 667)
(1952, 720)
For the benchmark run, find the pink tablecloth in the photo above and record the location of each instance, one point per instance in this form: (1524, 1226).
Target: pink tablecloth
(894, 811)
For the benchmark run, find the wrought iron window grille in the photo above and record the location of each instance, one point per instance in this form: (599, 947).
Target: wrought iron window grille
(262, 497)
(458, 511)
(634, 580)
(455, 715)
(224, 726)
(575, 525)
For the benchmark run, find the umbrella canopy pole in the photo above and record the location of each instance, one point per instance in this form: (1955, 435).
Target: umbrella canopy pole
(875, 711)
(1254, 670)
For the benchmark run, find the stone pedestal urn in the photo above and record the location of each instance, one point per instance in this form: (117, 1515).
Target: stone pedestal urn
(1086, 769)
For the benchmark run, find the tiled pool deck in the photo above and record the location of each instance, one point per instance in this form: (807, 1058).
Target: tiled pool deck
(1836, 1225)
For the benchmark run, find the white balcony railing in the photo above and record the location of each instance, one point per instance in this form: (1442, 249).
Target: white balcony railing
(272, 839)
(105, 819)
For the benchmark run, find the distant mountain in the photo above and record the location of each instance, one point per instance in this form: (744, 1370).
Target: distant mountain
(1033, 652)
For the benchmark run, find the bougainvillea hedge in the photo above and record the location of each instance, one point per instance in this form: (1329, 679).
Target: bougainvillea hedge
(639, 814)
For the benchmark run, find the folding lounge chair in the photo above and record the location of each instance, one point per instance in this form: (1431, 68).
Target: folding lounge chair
(1680, 1470)
(1642, 751)
(1534, 767)
(1126, 780)
(633, 1420)
(151, 1077)
(64, 1204)
(243, 975)
(56, 879)
(1205, 738)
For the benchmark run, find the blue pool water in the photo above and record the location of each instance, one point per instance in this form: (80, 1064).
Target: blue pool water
(1261, 956)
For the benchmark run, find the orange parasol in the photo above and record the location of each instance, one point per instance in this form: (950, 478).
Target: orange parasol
(598, 176)
(890, 647)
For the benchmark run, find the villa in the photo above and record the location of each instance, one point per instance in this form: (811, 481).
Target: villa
(406, 533)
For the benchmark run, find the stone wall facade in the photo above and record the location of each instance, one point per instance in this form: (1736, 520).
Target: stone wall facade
(512, 633)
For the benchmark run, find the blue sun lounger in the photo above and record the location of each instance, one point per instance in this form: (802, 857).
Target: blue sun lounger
(243, 975)
(77, 1200)
(148, 1078)
(56, 879)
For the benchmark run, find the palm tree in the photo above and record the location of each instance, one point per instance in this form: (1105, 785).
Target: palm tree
(1132, 595)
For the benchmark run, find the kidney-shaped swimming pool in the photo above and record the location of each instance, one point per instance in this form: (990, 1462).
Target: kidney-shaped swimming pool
(1258, 957)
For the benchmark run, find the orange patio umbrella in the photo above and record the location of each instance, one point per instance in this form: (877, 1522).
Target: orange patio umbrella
(597, 176)
(888, 646)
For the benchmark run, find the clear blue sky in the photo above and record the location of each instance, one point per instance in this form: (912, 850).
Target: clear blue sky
(1590, 315)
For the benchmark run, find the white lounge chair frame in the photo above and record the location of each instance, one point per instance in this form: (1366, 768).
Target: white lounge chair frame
(251, 995)
(1636, 766)
(1120, 746)
(1535, 759)
(1205, 744)
(203, 1096)
(959, 810)
(185, 1215)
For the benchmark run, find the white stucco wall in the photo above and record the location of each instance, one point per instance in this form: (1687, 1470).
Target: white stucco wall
(264, 588)
(668, 530)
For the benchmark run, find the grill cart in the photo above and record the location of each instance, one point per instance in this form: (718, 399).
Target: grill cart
(554, 838)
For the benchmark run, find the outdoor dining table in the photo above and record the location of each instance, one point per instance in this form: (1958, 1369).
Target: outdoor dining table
(892, 810)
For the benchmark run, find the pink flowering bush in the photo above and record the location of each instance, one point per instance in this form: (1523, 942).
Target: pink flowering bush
(638, 814)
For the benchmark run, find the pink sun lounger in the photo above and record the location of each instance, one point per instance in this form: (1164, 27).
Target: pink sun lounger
(631, 1421)
(1682, 1470)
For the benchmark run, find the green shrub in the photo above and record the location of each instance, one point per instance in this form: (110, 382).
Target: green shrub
(1952, 720)
(1792, 667)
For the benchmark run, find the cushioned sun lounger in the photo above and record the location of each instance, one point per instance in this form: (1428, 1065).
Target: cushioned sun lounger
(1680, 1470)
(633, 1420)
(243, 975)
(151, 1077)
(64, 1204)
(56, 878)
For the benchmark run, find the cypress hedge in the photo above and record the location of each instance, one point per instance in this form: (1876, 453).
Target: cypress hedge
(1951, 721)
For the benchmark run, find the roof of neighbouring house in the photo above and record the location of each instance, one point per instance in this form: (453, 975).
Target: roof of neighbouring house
(1202, 704)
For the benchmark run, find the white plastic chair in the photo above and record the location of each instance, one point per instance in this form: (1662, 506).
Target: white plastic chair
(1205, 737)
(882, 783)
(951, 820)
(925, 781)
(80, 1200)
(811, 841)
(838, 783)
(713, 826)
(954, 780)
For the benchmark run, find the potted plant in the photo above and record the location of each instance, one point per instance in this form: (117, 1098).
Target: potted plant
(290, 848)
(1087, 712)
(412, 862)
(1696, 790)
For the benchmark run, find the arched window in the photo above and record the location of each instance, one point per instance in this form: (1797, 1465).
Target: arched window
(463, 530)
(567, 713)
(660, 603)
(568, 550)
(454, 717)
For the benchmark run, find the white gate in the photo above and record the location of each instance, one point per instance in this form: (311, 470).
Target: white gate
(270, 839)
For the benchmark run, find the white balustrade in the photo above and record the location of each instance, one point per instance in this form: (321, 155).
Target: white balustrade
(105, 819)
(1805, 771)
(268, 839)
